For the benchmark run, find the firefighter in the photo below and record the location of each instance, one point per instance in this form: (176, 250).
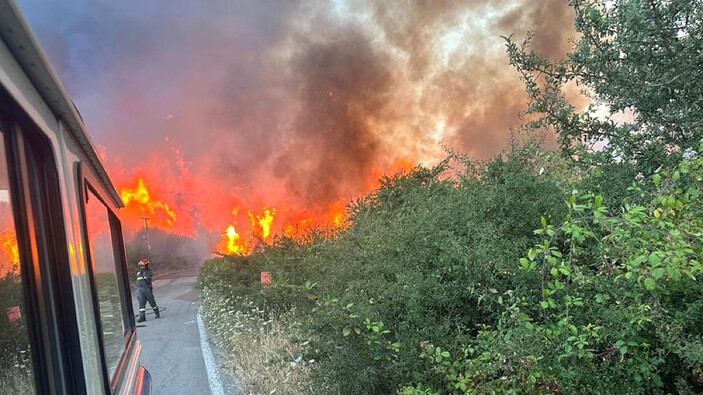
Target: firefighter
(145, 290)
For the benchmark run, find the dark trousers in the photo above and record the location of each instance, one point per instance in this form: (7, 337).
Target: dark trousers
(145, 295)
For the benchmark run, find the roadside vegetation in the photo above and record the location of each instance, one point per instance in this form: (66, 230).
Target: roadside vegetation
(576, 270)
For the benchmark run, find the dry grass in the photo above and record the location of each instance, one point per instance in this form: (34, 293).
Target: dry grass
(262, 355)
(16, 380)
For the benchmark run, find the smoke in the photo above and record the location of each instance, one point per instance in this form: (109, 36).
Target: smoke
(288, 104)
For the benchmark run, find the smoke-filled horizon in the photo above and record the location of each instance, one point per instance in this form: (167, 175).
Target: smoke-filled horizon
(288, 104)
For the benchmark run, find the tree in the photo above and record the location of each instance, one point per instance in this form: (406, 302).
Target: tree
(638, 56)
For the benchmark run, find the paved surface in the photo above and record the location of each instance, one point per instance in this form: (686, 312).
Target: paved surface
(171, 346)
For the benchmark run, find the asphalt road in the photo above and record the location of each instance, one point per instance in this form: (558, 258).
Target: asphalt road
(173, 349)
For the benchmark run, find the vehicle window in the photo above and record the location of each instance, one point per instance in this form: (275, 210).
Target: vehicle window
(106, 280)
(16, 376)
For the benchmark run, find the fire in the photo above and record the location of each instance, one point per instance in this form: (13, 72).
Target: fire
(297, 228)
(336, 214)
(400, 166)
(234, 242)
(263, 222)
(139, 201)
(8, 243)
(172, 199)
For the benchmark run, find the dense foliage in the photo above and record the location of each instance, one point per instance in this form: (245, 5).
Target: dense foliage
(536, 272)
(638, 57)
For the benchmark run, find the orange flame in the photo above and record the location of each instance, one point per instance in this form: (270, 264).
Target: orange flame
(336, 214)
(296, 228)
(8, 242)
(139, 200)
(234, 242)
(262, 223)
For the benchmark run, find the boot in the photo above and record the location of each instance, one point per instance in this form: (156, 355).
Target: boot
(156, 313)
(142, 317)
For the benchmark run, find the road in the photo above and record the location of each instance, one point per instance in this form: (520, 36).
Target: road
(173, 349)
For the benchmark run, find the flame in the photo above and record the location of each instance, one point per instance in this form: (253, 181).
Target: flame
(8, 243)
(336, 214)
(138, 200)
(234, 242)
(262, 223)
(190, 204)
(399, 167)
(297, 228)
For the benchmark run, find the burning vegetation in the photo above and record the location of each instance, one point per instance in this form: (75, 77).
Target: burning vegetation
(246, 225)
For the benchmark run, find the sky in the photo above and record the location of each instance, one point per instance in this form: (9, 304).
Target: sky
(228, 106)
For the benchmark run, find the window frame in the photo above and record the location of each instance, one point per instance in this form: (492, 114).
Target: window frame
(88, 183)
(35, 197)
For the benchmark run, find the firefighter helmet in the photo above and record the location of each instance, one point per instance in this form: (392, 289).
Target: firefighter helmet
(143, 262)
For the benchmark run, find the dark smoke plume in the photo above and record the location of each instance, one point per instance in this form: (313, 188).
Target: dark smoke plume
(289, 103)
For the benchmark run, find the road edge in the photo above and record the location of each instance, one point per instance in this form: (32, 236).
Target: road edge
(213, 372)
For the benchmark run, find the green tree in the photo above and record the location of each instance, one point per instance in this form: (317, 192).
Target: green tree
(642, 57)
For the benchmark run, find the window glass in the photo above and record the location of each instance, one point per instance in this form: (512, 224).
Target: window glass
(16, 375)
(106, 280)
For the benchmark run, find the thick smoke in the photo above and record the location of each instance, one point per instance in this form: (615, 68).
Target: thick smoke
(289, 104)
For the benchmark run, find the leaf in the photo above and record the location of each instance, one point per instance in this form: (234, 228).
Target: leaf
(346, 331)
(650, 284)
(658, 273)
(532, 254)
(654, 259)
(524, 263)
(544, 221)
(657, 380)
(657, 179)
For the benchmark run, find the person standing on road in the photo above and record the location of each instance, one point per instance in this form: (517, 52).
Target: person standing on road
(145, 291)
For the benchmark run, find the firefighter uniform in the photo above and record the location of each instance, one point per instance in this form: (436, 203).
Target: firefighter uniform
(145, 293)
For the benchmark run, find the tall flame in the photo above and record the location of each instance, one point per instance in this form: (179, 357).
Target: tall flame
(263, 223)
(234, 242)
(8, 243)
(139, 199)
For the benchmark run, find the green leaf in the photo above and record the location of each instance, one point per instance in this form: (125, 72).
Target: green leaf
(654, 259)
(532, 254)
(346, 331)
(657, 179)
(543, 221)
(650, 284)
(658, 273)
(524, 263)
(657, 380)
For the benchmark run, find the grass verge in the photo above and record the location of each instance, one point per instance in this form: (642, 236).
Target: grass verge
(263, 351)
